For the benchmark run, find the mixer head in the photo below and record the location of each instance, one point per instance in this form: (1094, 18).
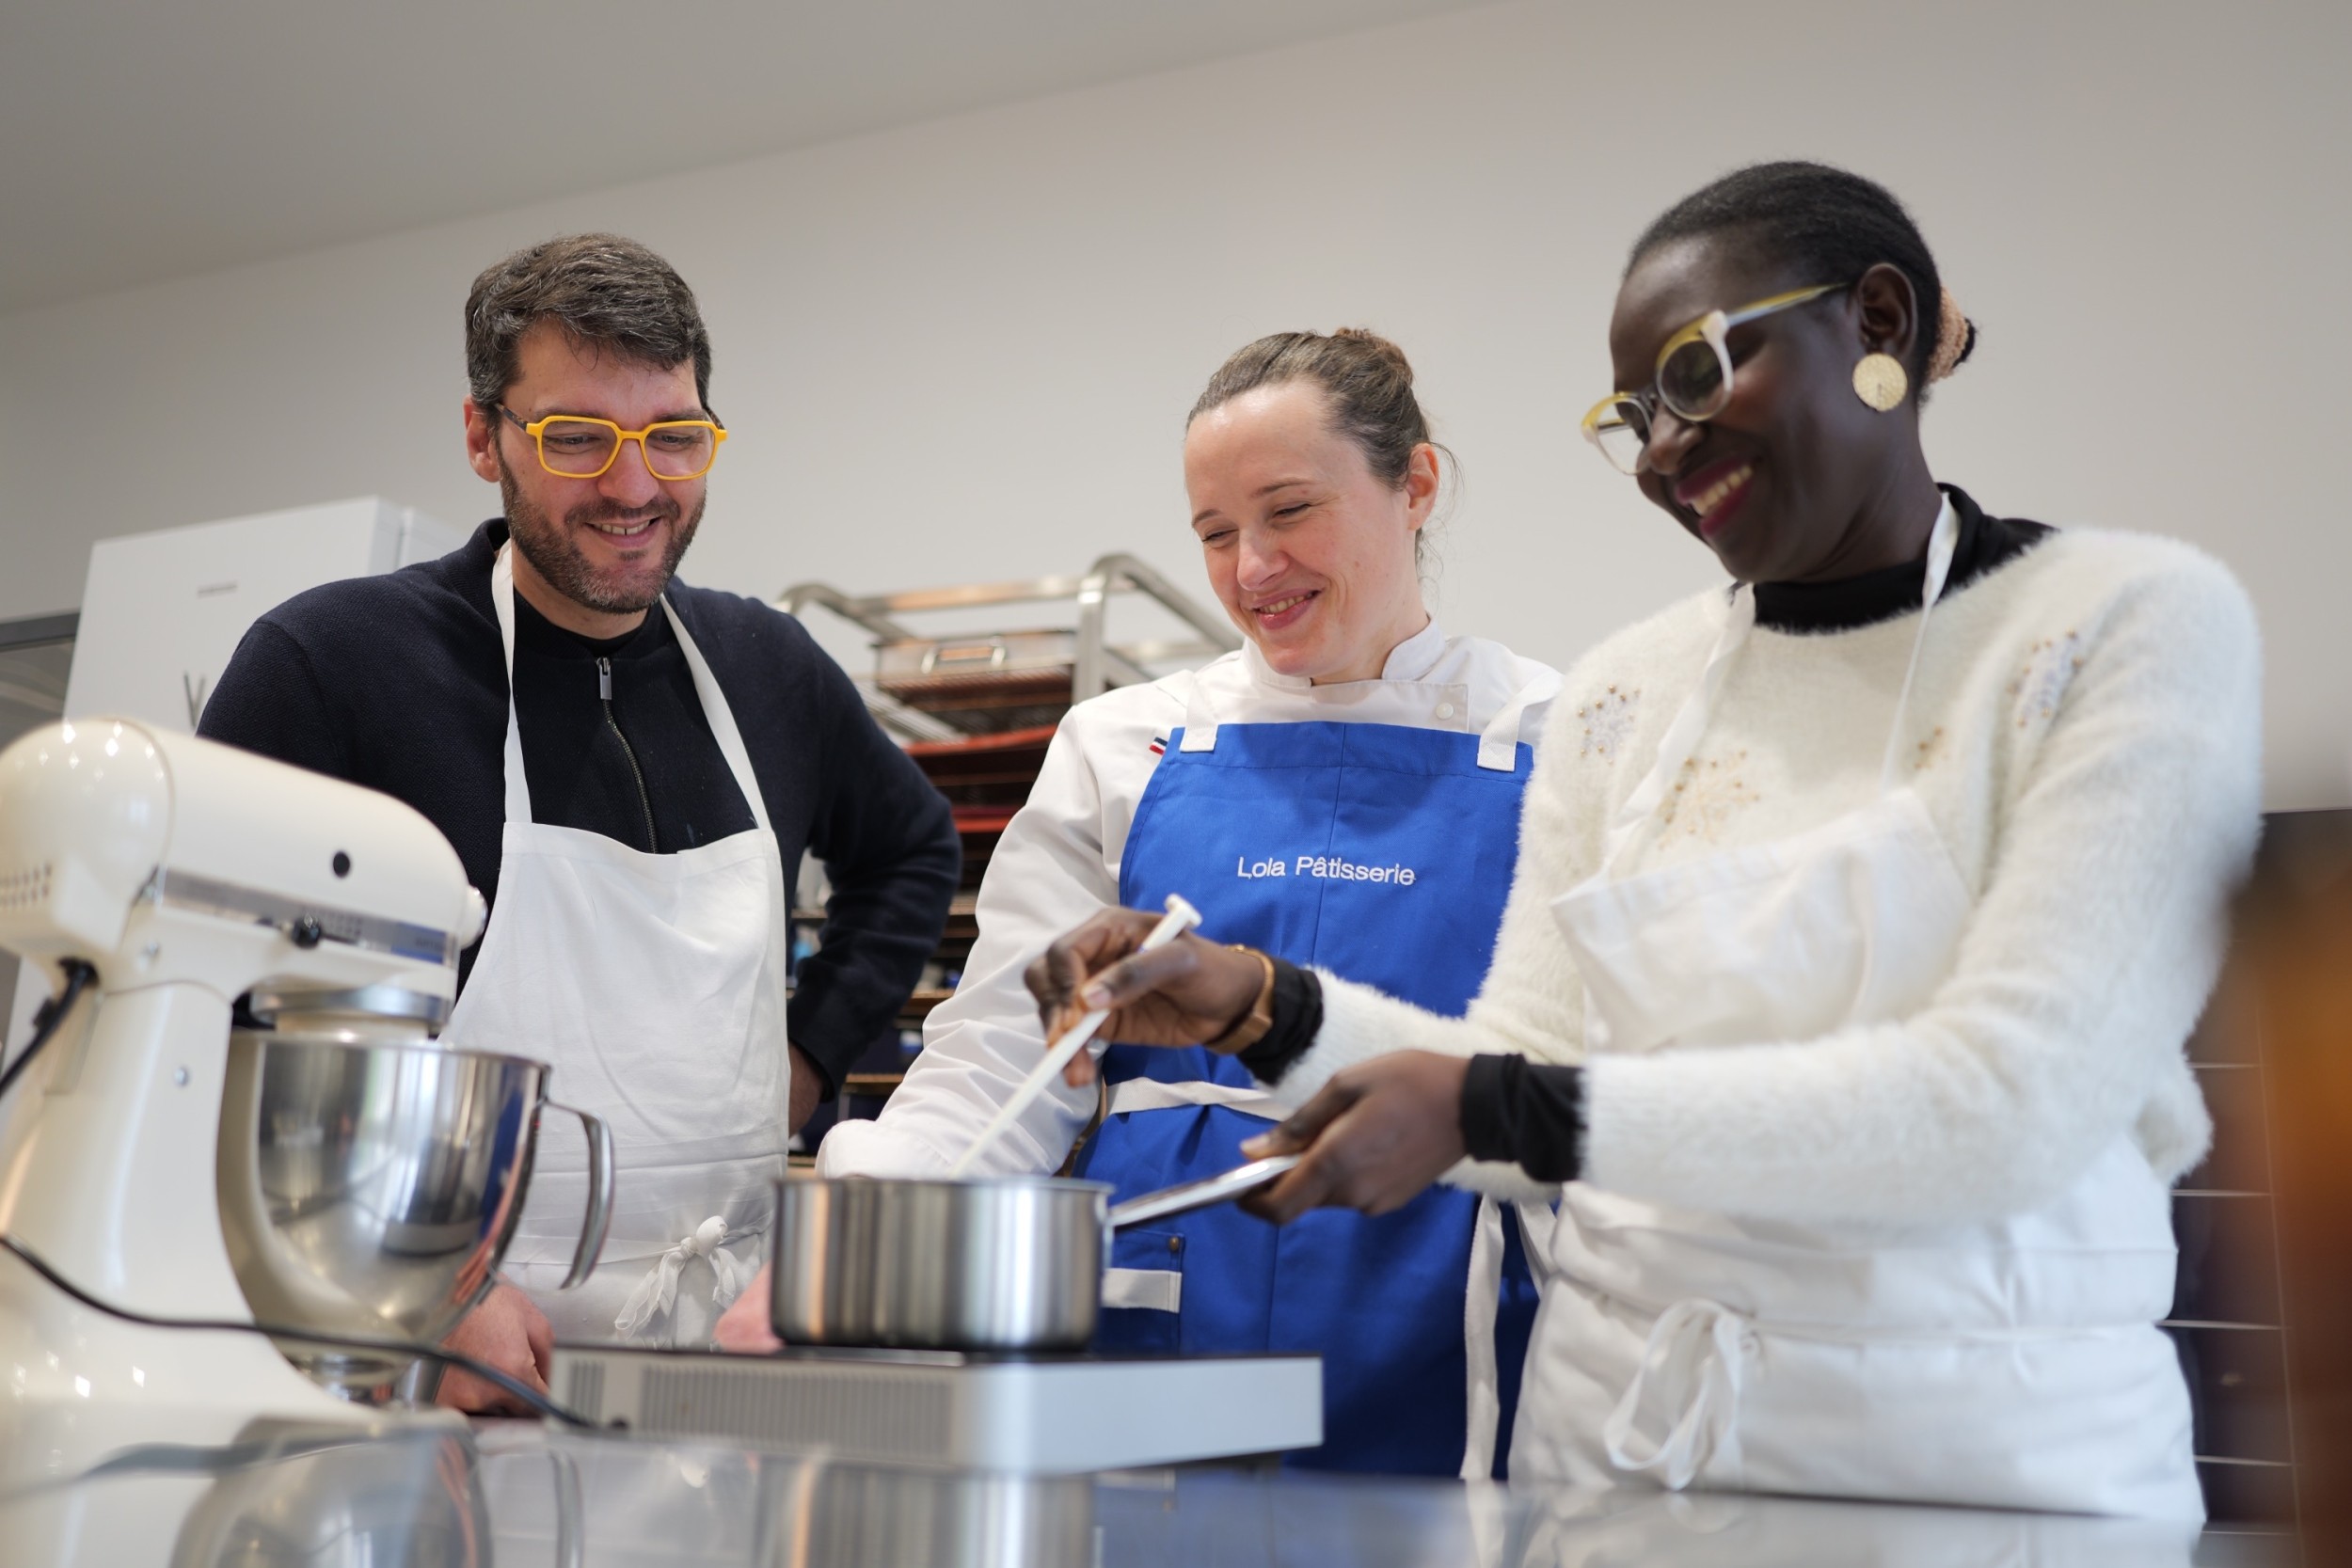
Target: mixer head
(158, 856)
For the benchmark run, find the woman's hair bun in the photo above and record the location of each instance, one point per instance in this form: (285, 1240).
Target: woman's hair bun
(1955, 339)
(1381, 348)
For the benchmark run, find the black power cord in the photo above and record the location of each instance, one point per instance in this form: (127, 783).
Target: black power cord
(513, 1385)
(79, 975)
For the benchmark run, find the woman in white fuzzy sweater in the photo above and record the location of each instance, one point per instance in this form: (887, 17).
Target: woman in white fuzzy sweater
(1860, 917)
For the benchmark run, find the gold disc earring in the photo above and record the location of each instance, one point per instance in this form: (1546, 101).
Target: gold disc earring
(1879, 380)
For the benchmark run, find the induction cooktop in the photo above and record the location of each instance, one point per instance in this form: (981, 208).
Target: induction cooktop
(1034, 1414)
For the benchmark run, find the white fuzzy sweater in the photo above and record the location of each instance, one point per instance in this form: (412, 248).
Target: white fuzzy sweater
(2085, 731)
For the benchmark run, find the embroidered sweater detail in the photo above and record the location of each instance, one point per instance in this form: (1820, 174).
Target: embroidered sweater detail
(2085, 734)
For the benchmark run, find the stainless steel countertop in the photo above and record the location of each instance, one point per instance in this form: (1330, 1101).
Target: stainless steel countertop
(520, 1497)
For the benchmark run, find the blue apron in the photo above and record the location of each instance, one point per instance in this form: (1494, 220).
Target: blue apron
(1383, 854)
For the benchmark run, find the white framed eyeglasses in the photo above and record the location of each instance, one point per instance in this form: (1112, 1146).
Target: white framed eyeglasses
(1694, 379)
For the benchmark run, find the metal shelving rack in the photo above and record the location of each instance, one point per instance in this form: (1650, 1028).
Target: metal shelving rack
(986, 795)
(1099, 665)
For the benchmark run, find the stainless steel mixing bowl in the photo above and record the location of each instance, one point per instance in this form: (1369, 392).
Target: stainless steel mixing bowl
(370, 1188)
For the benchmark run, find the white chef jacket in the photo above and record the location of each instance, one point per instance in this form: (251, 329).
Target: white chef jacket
(1058, 863)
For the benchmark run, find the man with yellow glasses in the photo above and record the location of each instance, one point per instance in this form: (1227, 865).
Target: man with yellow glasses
(631, 770)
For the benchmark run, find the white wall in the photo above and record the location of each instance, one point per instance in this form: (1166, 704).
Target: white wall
(963, 350)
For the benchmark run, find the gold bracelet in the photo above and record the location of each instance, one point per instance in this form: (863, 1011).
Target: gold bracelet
(1252, 1025)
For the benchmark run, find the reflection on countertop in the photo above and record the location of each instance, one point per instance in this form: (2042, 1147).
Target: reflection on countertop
(518, 1497)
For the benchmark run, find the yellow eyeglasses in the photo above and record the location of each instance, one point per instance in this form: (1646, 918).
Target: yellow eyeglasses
(572, 446)
(1693, 380)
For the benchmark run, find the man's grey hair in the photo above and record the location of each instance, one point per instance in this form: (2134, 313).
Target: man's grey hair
(604, 291)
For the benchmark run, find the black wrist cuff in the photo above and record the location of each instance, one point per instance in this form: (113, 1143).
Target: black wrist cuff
(1297, 1019)
(1531, 1115)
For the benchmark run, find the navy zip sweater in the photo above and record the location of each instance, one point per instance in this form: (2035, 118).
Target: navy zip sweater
(398, 682)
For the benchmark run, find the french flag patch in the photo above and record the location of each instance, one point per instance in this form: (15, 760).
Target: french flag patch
(1159, 745)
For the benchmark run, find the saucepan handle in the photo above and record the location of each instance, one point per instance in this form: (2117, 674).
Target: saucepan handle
(1204, 1194)
(599, 1219)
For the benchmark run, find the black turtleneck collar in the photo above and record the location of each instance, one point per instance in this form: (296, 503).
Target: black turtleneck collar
(540, 635)
(1851, 603)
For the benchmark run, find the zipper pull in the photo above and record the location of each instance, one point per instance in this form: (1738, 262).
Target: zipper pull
(604, 679)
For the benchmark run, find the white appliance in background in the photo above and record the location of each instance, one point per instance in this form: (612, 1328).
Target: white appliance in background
(162, 612)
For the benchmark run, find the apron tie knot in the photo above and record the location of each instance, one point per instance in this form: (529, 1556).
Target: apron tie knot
(1697, 1352)
(658, 1291)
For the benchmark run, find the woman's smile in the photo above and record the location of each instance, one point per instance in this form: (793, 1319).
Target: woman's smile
(1279, 614)
(1717, 493)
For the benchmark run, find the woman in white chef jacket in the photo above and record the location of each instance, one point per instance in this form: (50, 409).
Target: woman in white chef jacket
(1860, 919)
(1343, 790)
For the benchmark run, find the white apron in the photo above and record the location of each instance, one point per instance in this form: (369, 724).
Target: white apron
(2012, 1363)
(655, 986)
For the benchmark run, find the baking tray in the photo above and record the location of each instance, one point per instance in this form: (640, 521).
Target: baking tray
(985, 769)
(982, 685)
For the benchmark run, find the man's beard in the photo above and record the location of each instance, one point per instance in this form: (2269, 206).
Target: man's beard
(549, 549)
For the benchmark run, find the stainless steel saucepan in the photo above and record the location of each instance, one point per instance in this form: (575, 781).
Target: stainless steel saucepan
(1011, 1264)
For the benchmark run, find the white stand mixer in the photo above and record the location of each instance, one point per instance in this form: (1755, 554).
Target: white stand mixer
(187, 874)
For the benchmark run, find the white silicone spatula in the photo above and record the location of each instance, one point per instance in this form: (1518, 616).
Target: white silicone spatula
(1181, 917)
